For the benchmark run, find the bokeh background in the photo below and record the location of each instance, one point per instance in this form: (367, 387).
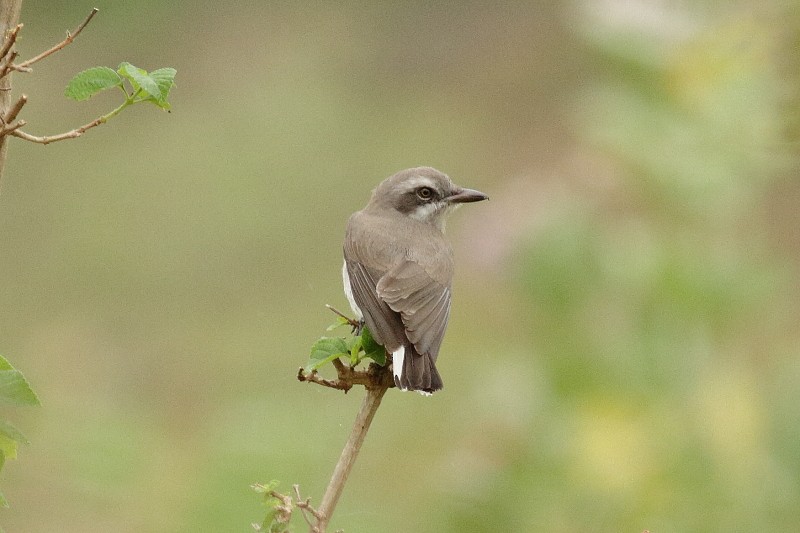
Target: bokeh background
(623, 347)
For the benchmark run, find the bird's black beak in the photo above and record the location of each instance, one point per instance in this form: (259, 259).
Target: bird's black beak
(463, 196)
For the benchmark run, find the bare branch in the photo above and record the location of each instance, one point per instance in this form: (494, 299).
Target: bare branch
(8, 129)
(347, 376)
(305, 506)
(366, 413)
(77, 132)
(7, 63)
(313, 377)
(283, 512)
(70, 37)
(353, 323)
(9, 41)
(14, 110)
(376, 380)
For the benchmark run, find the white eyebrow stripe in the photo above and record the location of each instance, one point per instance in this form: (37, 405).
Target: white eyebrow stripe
(420, 181)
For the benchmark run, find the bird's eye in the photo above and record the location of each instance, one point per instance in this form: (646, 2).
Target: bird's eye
(425, 193)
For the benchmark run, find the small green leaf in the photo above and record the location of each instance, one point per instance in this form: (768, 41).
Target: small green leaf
(355, 347)
(8, 447)
(165, 79)
(139, 80)
(8, 430)
(372, 349)
(90, 82)
(326, 350)
(340, 321)
(14, 388)
(263, 488)
(3, 501)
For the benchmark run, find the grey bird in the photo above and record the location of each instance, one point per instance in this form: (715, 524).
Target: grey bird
(398, 270)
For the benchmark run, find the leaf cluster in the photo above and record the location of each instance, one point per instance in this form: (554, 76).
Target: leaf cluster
(137, 84)
(278, 516)
(14, 390)
(354, 348)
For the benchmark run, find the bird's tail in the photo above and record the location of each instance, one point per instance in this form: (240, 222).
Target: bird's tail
(414, 371)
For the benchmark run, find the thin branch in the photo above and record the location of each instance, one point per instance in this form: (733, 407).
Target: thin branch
(47, 139)
(366, 413)
(77, 132)
(313, 377)
(305, 506)
(376, 380)
(14, 110)
(283, 512)
(347, 376)
(353, 323)
(10, 39)
(7, 63)
(70, 37)
(8, 129)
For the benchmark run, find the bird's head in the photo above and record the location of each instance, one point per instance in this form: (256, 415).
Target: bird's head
(423, 194)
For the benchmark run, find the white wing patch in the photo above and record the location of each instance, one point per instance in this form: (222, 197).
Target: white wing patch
(348, 291)
(398, 356)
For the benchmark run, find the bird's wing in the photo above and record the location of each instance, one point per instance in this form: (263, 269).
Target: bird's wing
(423, 304)
(384, 324)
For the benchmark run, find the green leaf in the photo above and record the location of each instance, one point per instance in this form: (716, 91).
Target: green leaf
(90, 82)
(3, 501)
(372, 349)
(264, 488)
(14, 388)
(8, 430)
(326, 350)
(165, 79)
(354, 344)
(8, 447)
(340, 321)
(139, 79)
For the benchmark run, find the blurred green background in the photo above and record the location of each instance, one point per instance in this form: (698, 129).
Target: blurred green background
(623, 348)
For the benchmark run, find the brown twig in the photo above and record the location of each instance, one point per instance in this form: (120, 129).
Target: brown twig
(14, 110)
(376, 380)
(7, 57)
(9, 41)
(7, 63)
(305, 506)
(350, 321)
(313, 377)
(25, 65)
(366, 413)
(77, 132)
(283, 511)
(9, 129)
(347, 376)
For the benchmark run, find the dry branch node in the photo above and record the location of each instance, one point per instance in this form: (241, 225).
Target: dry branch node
(7, 57)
